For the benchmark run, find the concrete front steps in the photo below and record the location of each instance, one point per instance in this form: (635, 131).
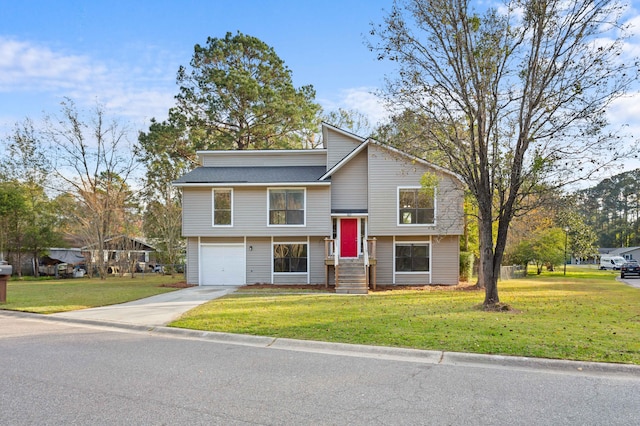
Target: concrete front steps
(351, 277)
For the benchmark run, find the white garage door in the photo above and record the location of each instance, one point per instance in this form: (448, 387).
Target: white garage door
(222, 264)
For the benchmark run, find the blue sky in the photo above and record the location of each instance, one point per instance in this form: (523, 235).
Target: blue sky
(125, 53)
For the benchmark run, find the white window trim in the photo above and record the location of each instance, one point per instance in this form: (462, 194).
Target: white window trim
(435, 207)
(289, 274)
(304, 219)
(402, 242)
(213, 207)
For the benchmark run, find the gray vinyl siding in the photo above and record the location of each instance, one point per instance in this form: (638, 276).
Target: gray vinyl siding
(196, 211)
(338, 147)
(256, 158)
(412, 279)
(445, 260)
(316, 260)
(250, 214)
(259, 260)
(387, 172)
(290, 239)
(290, 279)
(349, 188)
(192, 270)
(384, 256)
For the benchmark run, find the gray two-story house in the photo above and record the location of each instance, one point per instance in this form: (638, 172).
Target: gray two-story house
(350, 214)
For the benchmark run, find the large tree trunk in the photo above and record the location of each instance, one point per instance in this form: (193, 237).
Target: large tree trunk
(480, 283)
(488, 271)
(36, 264)
(491, 293)
(18, 266)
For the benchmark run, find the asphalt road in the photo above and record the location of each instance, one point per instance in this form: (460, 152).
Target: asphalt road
(631, 281)
(55, 371)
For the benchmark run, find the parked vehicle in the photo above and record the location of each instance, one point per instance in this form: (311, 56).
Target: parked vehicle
(79, 272)
(612, 262)
(630, 268)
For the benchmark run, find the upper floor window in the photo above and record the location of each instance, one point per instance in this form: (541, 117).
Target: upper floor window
(286, 206)
(416, 206)
(222, 211)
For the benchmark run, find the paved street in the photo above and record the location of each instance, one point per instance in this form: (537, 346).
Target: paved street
(633, 282)
(56, 371)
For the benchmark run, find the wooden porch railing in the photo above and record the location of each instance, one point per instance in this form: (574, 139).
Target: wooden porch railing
(331, 257)
(371, 261)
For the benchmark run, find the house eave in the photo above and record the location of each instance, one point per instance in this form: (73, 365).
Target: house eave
(315, 151)
(355, 214)
(247, 184)
(343, 132)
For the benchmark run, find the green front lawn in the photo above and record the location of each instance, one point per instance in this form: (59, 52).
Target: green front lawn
(50, 296)
(586, 315)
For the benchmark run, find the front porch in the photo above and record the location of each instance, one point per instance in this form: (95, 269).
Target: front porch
(352, 275)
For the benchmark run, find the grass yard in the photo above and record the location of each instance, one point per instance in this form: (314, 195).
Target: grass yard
(50, 296)
(587, 315)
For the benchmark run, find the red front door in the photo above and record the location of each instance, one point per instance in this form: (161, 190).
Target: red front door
(348, 237)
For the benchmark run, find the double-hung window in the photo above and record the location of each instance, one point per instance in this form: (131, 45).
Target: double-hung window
(286, 206)
(222, 207)
(289, 258)
(416, 206)
(412, 257)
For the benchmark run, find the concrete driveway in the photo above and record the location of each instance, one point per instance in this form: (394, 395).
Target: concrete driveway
(152, 311)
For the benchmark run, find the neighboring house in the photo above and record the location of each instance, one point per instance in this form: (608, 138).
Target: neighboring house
(629, 253)
(350, 214)
(121, 253)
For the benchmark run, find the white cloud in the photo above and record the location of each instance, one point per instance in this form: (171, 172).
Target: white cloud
(137, 93)
(364, 100)
(623, 113)
(141, 104)
(26, 66)
(361, 99)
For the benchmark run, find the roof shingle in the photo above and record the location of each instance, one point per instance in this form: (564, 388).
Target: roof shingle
(275, 174)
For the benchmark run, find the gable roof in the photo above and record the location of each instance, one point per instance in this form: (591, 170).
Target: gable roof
(621, 250)
(136, 244)
(408, 156)
(217, 176)
(66, 255)
(208, 176)
(326, 126)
